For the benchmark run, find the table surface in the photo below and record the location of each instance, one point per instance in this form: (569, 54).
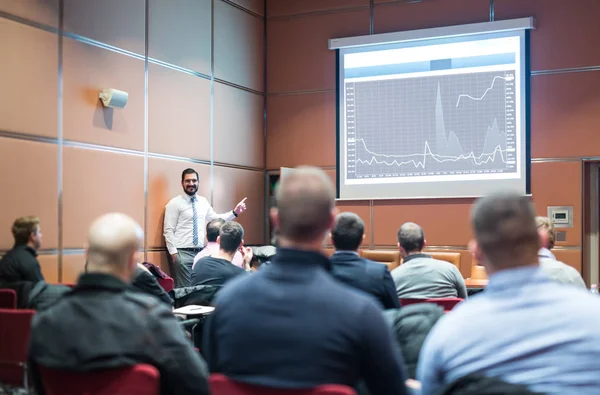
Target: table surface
(470, 283)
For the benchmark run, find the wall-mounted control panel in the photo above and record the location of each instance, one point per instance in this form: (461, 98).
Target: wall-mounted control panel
(561, 216)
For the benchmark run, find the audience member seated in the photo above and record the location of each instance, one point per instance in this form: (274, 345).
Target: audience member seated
(347, 266)
(102, 324)
(555, 269)
(291, 324)
(36, 295)
(411, 325)
(144, 281)
(20, 263)
(524, 329)
(218, 269)
(420, 276)
(212, 246)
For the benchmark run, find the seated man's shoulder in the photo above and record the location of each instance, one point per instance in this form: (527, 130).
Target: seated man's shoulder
(249, 283)
(375, 269)
(141, 300)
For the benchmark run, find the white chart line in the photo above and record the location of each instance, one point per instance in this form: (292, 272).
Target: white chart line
(427, 151)
(484, 93)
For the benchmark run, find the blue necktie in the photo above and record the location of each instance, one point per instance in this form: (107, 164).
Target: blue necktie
(195, 219)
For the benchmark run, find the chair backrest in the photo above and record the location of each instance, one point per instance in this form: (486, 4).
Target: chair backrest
(8, 299)
(447, 303)
(15, 328)
(452, 257)
(166, 283)
(389, 258)
(222, 385)
(139, 379)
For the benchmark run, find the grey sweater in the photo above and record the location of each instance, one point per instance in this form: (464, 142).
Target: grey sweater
(422, 277)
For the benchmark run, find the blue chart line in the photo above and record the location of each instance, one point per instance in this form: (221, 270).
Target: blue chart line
(486, 91)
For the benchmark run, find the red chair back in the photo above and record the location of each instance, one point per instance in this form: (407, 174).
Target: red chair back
(167, 283)
(15, 328)
(8, 299)
(139, 379)
(447, 303)
(222, 385)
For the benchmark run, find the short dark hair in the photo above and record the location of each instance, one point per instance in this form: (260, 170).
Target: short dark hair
(213, 228)
(347, 232)
(411, 237)
(23, 227)
(189, 170)
(504, 227)
(231, 235)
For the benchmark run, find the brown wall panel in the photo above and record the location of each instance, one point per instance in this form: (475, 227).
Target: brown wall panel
(159, 258)
(117, 23)
(395, 17)
(298, 57)
(72, 267)
(558, 184)
(179, 33)
(96, 183)
(239, 47)
(49, 266)
(565, 114)
(41, 11)
(29, 174)
(256, 6)
(164, 183)
(231, 186)
(287, 7)
(565, 31)
(445, 222)
(570, 257)
(86, 71)
(30, 58)
(238, 126)
(301, 130)
(178, 113)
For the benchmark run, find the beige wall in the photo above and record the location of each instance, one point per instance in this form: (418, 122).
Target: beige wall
(565, 102)
(195, 100)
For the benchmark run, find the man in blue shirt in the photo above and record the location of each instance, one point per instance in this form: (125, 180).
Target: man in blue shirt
(291, 324)
(524, 329)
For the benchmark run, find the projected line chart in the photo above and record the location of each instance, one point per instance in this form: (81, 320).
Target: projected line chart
(430, 126)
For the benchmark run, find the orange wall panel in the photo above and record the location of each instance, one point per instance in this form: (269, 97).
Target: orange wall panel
(287, 7)
(301, 130)
(73, 265)
(29, 174)
(231, 186)
(238, 127)
(96, 183)
(559, 184)
(565, 115)
(400, 16)
(565, 31)
(570, 257)
(86, 71)
(178, 113)
(118, 23)
(41, 11)
(298, 57)
(445, 222)
(30, 58)
(164, 183)
(49, 266)
(239, 61)
(179, 33)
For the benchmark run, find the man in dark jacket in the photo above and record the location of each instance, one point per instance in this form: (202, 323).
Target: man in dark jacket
(411, 325)
(20, 263)
(348, 267)
(102, 324)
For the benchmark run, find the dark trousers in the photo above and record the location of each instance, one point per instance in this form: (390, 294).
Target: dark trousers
(181, 268)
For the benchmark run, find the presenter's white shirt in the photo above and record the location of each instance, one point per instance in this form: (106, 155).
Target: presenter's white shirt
(179, 221)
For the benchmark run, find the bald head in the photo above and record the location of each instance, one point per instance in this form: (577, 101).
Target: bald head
(411, 238)
(505, 230)
(113, 242)
(305, 200)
